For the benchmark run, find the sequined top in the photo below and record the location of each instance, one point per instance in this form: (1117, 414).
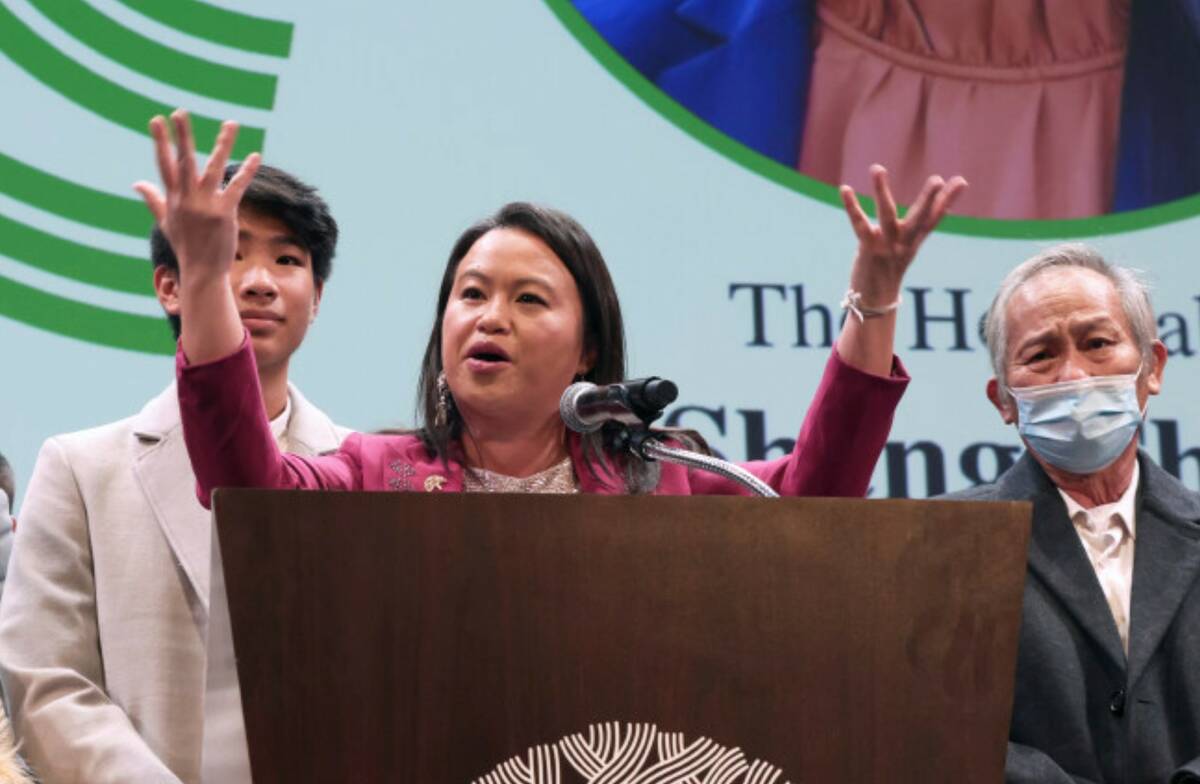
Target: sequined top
(558, 478)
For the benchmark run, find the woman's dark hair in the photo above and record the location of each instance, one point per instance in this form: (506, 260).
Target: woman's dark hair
(603, 329)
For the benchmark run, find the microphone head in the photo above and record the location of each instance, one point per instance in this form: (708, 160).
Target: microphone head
(658, 393)
(568, 408)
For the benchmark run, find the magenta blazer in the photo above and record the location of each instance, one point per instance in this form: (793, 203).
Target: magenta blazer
(230, 443)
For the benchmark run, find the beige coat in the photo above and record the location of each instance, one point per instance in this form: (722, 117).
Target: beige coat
(105, 614)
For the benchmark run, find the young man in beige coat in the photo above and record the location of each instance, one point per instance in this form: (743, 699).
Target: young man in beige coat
(115, 649)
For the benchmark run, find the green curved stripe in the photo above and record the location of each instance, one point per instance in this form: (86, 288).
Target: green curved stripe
(1115, 223)
(73, 201)
(219, 25)
(71, 260)
(84, 322)
(97, 94)
(152, 59)
(789, 178)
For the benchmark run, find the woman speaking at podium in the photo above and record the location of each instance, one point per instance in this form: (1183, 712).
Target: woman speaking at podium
(526, 307)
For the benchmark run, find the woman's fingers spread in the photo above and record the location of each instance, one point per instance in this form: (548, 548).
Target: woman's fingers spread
(186, 150)
(919, 211)
(945, 200)
(241, 180)
(162, 152)
(215, 170)
(858, 219)
(943, 203)
(155, 201)
(884, 202)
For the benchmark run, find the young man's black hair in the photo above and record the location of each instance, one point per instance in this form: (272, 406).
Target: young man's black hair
(275, 193)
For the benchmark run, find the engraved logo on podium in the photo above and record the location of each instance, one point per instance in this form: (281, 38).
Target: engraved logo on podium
(634, 754)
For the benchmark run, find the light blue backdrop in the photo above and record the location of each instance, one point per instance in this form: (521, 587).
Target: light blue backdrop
(415, 119)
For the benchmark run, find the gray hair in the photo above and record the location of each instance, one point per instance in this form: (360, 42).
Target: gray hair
(1133, 292)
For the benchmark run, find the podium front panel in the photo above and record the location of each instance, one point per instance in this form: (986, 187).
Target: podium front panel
(431, 638)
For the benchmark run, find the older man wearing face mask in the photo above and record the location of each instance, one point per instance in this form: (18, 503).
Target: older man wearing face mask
(1108, 669)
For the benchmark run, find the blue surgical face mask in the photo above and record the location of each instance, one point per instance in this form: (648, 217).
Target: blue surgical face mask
(1079, 426)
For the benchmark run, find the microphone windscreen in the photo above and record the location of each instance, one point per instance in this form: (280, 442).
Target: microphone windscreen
(568, 408)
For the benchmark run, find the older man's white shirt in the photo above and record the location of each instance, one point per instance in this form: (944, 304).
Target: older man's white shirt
(1108, 533)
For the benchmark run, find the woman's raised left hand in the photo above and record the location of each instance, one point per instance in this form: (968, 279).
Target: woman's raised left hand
(886, 249)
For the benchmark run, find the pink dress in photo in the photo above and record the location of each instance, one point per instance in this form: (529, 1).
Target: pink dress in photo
(1022, 97)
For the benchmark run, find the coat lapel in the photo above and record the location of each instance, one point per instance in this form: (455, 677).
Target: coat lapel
(1057, 558)
(1166, 561)
(310, 431)
(164, 472)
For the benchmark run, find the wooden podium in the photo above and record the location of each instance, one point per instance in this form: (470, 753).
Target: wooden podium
(391, 637)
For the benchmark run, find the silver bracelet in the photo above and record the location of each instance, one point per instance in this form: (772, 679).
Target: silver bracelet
(853, 303)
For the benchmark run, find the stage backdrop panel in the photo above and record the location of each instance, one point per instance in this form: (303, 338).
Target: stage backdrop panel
(416, 119)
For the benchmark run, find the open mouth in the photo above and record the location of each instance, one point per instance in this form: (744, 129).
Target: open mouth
(486, 351)
(485, 357)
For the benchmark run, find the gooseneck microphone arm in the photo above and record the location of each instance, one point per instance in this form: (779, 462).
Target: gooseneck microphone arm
(649, 446)
(585, 408)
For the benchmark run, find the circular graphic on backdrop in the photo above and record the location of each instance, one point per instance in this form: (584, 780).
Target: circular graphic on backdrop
(634, 754)
(1068, 122)
(143, 51)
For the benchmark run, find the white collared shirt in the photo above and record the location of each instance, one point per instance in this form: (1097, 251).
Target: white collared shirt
(1108, 533)
(226, 758)
(279, 425)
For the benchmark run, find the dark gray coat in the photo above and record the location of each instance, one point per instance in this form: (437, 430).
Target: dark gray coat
(1081, 711)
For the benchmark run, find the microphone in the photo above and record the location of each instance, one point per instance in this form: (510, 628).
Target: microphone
(585, 407)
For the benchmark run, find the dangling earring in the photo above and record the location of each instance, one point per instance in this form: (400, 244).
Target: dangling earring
(441, 409)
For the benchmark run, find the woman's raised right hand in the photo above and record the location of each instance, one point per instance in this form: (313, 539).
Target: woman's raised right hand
(197, 212)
